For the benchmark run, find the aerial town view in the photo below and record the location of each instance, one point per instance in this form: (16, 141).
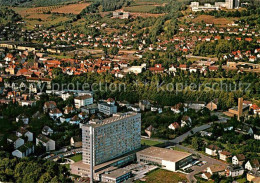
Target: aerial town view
(141, 91)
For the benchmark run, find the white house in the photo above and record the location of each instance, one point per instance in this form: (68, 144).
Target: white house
(212, 150)
(48, 143)
(16, 141)
(186, 120)
(238, 159)
(252, 165)
(22, 132)
(257, 136)
(83, 100)
(174, 126)
(224, 155)
(234, 171)
(24, 150)
(22, 118)
(47, 131)
(135, 108)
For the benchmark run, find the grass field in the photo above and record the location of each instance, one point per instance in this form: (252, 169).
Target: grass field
(76, 158)
(140, 8)
(163, 176)
(149, 142)
(212, 20)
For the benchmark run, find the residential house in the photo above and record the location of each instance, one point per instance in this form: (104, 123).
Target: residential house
(252, 165)
(47, 131)
(174, 126)
(76, 141)
(55, 113)
(234, 171)
(149, 131)
(24, 150)
(22, 118)
(245, 129)
(23, 132)
(195, 105)
(213, 105)
(238, 159)
(75, 120)
(216, 169)
(253, 176)
(257, 135)
(144, 105)
(49, 105)
(16, 141)
(186, 120)
(224, 155)
(83, 100)
(206, 175)
(48, 143)
(177, 108)
(205, 134)
(212, 150)
(68, 110)
(135, 108)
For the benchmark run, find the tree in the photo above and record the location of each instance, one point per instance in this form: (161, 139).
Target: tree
(114, 50)
(195, 143)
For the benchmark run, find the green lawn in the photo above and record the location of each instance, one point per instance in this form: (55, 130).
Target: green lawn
(76, 158)
(165, 176)
(178, 149)
(139, 8)
(149, 142)
(67, 166)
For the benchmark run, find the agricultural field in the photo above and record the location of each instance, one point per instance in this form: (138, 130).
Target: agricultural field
(71, 8)
(163, 176)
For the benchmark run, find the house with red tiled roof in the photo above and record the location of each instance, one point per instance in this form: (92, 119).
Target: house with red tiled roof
(157, 68)
(174, 126)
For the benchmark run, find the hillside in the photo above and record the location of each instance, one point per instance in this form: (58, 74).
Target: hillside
(34, 2)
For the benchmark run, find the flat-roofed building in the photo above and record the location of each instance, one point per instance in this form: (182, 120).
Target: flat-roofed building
(83, 100)
(118, 175)
(169, 159)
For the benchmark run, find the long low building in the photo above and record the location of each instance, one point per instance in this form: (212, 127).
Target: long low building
(166, 158)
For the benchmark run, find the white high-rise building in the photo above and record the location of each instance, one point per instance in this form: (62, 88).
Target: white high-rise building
(111, 137)
(230, 4)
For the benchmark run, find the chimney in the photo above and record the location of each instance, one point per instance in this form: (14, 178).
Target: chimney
(240, 107)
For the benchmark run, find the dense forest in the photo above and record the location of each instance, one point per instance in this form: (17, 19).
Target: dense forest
(31, 170)
(8, 16)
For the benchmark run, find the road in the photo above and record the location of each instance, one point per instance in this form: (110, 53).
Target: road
(64, 154)
(194, 130)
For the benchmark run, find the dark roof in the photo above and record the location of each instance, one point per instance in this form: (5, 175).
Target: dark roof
(43, 138)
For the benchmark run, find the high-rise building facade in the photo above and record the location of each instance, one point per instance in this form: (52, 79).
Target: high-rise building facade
(111, 137)
(230, 4)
